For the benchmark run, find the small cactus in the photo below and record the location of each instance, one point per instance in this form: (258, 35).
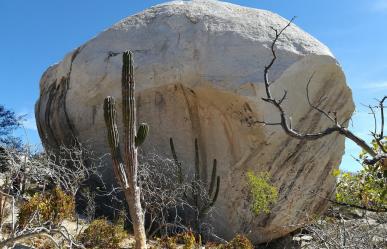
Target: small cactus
(214, 180)
(176, 160)
(213, 191)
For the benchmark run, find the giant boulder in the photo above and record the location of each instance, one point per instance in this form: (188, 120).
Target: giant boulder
(199, 74)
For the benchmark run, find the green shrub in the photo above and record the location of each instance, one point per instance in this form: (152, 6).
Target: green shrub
(54, 206)
(263, 194)
(366, 188)
(102, 235)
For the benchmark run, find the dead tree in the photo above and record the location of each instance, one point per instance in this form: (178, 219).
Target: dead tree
(125, 169)
(376, 152)
(375, 155)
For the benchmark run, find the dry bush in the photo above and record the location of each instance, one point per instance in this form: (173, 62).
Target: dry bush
(52, 180)
(88, 197)
(163, 196)
(67, 167)
(238, 242)
(185, 240)
(342, 228)
(53, 207)
(188, 240)
(338, 233)
(102, 235)
(166, 242)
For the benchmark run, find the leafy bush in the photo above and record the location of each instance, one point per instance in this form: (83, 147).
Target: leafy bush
(366, 188)
(54, 206)
(9, 122)
(262, 192)
(102, 235)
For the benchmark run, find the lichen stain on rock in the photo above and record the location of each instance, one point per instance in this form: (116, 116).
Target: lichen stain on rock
(56, 128)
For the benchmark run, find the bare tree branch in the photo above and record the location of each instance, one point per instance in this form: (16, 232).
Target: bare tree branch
(40, 231)
(336, 127)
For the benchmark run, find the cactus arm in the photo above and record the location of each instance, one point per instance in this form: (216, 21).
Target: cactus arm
(213, 178)
(176, 160)
(110, 115)
(216, 191)
(204, 210)
(172, 146)
(196, 195)
(142, 133)
(211, 195)
(197, 166)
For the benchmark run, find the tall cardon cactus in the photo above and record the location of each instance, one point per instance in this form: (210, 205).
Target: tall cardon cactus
(125, 167)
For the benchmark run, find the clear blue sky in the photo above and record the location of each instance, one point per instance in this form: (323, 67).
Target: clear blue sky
(36, 34)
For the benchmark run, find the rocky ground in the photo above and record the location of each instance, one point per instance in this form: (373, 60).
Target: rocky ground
(341, 228)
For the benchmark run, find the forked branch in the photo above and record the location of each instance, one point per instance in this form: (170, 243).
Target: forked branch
(336, 126)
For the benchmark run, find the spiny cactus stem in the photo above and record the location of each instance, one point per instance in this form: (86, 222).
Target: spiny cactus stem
(213, 178)
(127, 173)
(129, 115)
(197, 166)
(216, 190)
(212, 194)
(197, 174)
(176, 160)
(205, 209)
